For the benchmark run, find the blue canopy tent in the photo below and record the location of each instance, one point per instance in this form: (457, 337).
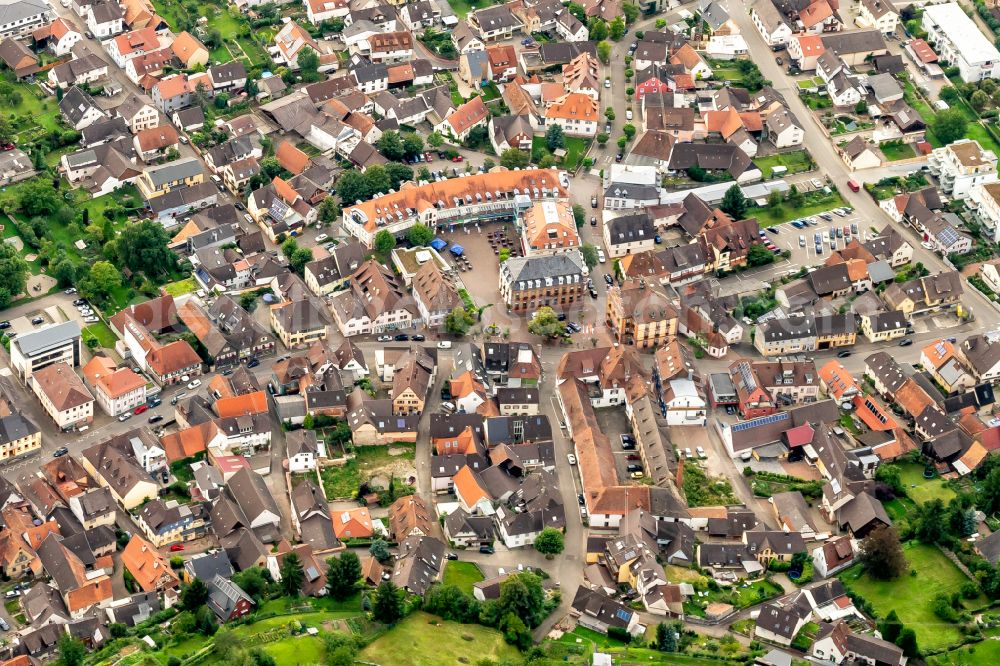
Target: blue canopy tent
(439, 244)
(457, 250)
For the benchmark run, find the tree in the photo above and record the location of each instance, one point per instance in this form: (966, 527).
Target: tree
(71, 651)
(522, 595)
(396, 173)
(420, 235)
(352, 186)
(388, 608)
(63, 270)
(343, 574)
(554, 138)
(385, 242)
(378, 179)
(545, 323)
(515, 632)
(435, 140)
(380, 550)
(514, 158)
(907, 642)
(144, 247)
(598, 28)
(412, 144)
(891, 627)
(390, 144)
(793, 197)
(104, 277)
(451, 603)
(308, 61)
(734, 203)
(622, 142)
(889, 475)
(194, 595)
(38, 197)
(578, 11)
(458, 321)
(292, 575)
(978, 100)
(13, 274)
(666, 638)
(758, 255)
(579, 215)
(881, 554)
(929, 522)
(631, 12)
(6, 130)
(602, 138)
(774, 199)
(550, 542)
(329, 210)
(341, 656)
(628, 130)
(604, 52)
(589, 252)
(254, 581)
(617, 28)
(949, 125)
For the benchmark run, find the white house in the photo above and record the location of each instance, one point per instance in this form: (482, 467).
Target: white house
(20, 17)
(63, 36)
(880, 14)
(770, 23)
(105, 19)
(684, 403)
(962, 165)
(959, 42)
(303, 450)
(783, 128)
(990, 275)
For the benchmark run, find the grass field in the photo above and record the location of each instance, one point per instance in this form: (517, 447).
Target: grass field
(921, 490)
(795, 162)
(813, 204)
(102, 333)
(341, 482)
(462, 574)
(463, 8)
(986, 652)
(897, 151)
(181, 287)
(575, 149)
(417, 642)
(911, 596)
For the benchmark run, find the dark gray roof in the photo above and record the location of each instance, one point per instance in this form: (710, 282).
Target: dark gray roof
(523, 269)
(631, 228)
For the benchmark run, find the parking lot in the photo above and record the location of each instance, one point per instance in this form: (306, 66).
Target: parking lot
(614, 423)
(802, 242)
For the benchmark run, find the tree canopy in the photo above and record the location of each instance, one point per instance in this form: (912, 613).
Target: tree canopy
(420, 235)
(388, 608)
(384, 243)
(550, 541)
(734, 203)
(292, 575)
(514, 158)
(143, 246)
(881, 554)
(343, 574)
(13, 274)
(308, 61)
(949, 125)
(546, 323)
(458, 321)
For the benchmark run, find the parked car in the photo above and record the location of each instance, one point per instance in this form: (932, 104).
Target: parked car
(176, 548)
(385, 338)
(125, 417)
(451, 556)
(417, 338)
(444, 344)
(71, 290)
(193, 384)
(701, 453)
(580, 499)
(571, 458)
(905, 342)
(91, 319)
(610, 280)
(4, 325)
(607, 82)
(593, 201)
(600, 256)
(593, 221)
(140, 409)
(486, 550)
(322, 238)
(38, 320)
(61, 451)
(402, 337)
(155, 418)
(253, 363)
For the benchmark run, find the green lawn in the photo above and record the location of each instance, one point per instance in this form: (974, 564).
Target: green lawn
(576, 147)
(911, 596)
(181, 287)
(105, 337)
(463, 8)
(342, 482)
(770, 216)
(897, 151)
(921, 490)
(417, 642)
(462, 574)
(795, 162)
(986, 652)
(36, 112)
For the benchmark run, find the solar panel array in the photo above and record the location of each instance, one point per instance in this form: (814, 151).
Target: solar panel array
(773, 418)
